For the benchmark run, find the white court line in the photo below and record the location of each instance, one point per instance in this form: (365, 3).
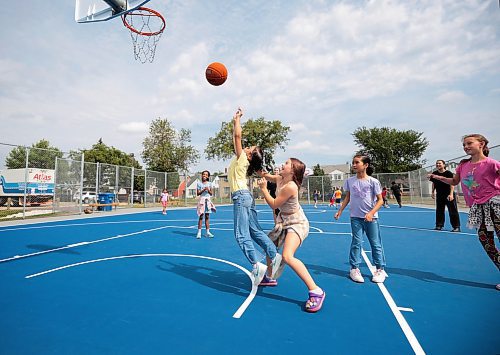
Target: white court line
(417, 348)
(319, 230)
(239, 312)
(98, 223)
(16, 257)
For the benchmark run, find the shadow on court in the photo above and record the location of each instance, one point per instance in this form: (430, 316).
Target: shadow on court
(188, 234)
(224, 281)
(318, 269)
(432, 277)
(43, 247)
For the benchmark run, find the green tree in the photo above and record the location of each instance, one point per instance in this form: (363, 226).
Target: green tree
(104, 154)
(167, 149)
(319, 181)
(41, 155)
(269, 135)
(317, 171)
(101, 153)
(391, 151)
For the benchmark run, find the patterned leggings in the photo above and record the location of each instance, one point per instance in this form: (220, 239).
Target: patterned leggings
(487, 240)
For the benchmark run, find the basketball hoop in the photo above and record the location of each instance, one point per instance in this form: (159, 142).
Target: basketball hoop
(146, 31)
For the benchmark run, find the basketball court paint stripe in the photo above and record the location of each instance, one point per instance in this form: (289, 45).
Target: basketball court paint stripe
(98, 223)
(17, 257)
(412, 339)
(239, 312)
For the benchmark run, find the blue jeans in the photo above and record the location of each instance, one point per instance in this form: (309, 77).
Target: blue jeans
(247, 227)
(372, 230)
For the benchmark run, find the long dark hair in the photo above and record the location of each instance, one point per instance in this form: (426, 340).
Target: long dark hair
(256, 161)
(366, 160)
(480, 138)
(298, 169)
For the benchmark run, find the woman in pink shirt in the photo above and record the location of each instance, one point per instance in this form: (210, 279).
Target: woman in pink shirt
(480, 180)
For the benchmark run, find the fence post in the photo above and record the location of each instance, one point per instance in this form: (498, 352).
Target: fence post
(145, 183)
(308, 194)
(81, 183)
(97, 178)
(420, 185)
(117, 175)
(185, 188)
(25, 181)
(409, 182)
(323, 188)
(55, 186)
(132, 188)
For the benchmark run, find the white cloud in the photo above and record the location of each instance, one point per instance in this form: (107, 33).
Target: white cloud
(451, 96)
(133, 127)
(323, 68)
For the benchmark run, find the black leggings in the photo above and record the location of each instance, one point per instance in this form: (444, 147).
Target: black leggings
(486, 238)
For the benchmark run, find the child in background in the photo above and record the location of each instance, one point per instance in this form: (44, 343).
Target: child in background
(365, 194)
(384, 197)
(315, 198)
(246, 225)
(396, 192)
(291, 228)
(205, 205)
(480, 180)
(332, 200)
(338, 197)
(164, 200)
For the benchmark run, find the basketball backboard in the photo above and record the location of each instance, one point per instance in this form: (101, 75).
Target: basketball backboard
(103, 10)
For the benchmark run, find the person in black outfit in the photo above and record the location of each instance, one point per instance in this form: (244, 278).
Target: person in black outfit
(396, 191)
(272, 187)
(445, 196)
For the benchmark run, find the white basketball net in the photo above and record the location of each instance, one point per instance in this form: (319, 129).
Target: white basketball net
(146, 27)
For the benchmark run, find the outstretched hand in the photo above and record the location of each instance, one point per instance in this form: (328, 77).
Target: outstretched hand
(238, 114)
(262, 182)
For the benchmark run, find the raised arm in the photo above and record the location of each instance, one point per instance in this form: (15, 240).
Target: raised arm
(455, 180)
(274, 178)
(237, 132)
(285, 193)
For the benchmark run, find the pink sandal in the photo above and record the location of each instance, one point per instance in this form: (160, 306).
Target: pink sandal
(315, 302)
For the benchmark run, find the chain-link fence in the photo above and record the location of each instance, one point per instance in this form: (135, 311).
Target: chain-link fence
(28, 180)
(36, 181)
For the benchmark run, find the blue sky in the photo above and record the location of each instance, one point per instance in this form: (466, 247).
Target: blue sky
(324, 68)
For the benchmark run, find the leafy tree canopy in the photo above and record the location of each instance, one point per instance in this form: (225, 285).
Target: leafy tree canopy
(317, 171)
(41, 155)
(166, 149)
(391, 151)
(101, 153)
(269, 135)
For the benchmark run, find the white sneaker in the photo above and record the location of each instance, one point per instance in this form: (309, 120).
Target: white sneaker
(498, 287)
(356, 276)
(198, 236)
(379, 276)
(275, 265)
(210, 235)
(258, 273)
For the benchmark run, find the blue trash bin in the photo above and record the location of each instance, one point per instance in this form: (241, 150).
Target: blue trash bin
(105, 198)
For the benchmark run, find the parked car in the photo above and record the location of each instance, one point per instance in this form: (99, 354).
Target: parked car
(88, 196)
(139, 197)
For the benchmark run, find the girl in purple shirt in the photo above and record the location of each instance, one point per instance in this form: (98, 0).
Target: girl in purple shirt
(480, 180)
(365, 195)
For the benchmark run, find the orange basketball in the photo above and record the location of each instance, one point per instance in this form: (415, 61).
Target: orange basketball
(216, 74)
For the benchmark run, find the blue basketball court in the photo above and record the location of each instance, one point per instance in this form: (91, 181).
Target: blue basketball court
(143, 284)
